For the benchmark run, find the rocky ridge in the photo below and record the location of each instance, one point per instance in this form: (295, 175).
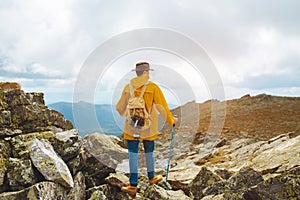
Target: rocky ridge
(42, 157)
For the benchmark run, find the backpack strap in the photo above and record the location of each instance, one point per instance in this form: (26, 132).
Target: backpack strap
(142, 92)
(131, 90)
(144, 89)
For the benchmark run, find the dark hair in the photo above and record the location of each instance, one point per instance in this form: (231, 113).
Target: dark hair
(141, 67)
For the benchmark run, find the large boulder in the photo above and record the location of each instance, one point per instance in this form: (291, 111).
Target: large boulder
(277, 155)
(98, 157)
(42, 190)
(51, 166)
(27, 112)
(182, 175)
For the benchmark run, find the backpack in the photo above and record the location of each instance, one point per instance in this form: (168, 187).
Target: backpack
(136, 113)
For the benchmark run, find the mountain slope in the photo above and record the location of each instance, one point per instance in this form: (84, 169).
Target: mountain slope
(262, 116)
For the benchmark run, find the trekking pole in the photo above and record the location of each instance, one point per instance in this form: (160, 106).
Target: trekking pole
(170, 152)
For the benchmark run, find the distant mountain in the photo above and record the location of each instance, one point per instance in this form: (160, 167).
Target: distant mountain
(91, 118)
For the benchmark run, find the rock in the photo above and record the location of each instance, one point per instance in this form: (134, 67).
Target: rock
(214, 197)
(277, 156)
(7, 86)
(27, 112)
(223, 173)
(241, 153)
(182, 175)
(284, 186)
(78, 191)
(235, 186)
(6, 132)
(3, 169)
(100, 156)
(43, 190)
(106, 191)
(20, 174)
(156, 193)
(98, 195)
(5, 118)
(117, 180)
(204, 179)
(5, 150)
(49, 164)
(245, 178)
(221, 143)
(20, 142)
(67, 144)
(37, 98)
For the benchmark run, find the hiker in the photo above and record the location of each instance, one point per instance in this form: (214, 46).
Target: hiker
(142, 127)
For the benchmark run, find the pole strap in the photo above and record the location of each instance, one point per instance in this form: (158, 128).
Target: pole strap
(170, 153)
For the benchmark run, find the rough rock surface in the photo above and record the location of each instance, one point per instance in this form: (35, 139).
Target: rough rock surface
(78, 191)
(49, 164)
(22, 112)
(20, 174)
(42, 190)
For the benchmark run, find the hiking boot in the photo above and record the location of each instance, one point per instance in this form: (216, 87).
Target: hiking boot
(155, 179)
(130, 189)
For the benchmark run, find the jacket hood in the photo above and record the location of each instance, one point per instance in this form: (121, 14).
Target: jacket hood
(139, 81)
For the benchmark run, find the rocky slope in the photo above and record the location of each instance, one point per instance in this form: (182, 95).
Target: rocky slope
(42, 157)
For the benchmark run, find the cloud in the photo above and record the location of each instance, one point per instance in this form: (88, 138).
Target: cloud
(254, 44)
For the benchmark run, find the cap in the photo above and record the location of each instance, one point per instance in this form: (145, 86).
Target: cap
(142, 66)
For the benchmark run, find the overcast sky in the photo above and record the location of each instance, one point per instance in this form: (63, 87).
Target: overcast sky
(254, 44)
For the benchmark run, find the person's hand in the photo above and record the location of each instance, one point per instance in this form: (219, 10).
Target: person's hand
(175, 121)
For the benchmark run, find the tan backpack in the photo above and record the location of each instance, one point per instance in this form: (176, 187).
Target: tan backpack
(136, 112)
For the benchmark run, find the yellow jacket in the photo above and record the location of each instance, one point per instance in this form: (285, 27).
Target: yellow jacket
(154, 100)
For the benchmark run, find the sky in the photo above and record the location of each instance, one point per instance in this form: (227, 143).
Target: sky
(249, 47)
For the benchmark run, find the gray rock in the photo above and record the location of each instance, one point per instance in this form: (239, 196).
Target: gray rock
(27, 112)
(204, 179)
(6, 132)
(105, 191)
(20, 142)
(78, 191)
(5, 118)
(43, 190)
(182, 174)
(244, 179)
(284, 186)
(49, 164)
(156, 192)
(214, 197)
(20, 174)
(4, 156)
(98, 195)
(3, 169)
(235, 186)
(277, 155)
(100, 156)
(67, 144)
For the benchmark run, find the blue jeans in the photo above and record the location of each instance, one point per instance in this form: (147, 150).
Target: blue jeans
(133, 149)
